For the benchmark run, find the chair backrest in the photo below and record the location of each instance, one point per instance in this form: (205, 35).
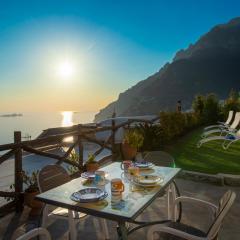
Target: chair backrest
(52, 176)
(238, 133)
(230, 116)
(160, 158)
(236, 120)
(225, 204)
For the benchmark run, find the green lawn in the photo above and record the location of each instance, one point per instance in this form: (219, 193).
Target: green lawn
(210, 158)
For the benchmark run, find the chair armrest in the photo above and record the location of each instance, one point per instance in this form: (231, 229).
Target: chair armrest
(172, 231)
(212, 206)
(35, 232)
(195, 200)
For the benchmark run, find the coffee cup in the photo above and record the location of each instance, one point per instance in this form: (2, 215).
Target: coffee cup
(117, 185)
(125, 165)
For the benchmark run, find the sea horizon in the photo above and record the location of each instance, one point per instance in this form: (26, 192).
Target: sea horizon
(33, 123)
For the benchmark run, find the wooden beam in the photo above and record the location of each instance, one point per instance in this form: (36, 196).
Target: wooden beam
(7, 155)
(7, 208)
(18, 171)
(80, 153)
(68, 162)
(41, 153)
(8, 194)
(8, 146)
(70, 150)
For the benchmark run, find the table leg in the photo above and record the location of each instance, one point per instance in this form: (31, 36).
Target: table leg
(122, 231)
(72, 227)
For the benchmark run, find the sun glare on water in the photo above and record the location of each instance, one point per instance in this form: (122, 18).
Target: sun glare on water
(67, 121)
(67, 118)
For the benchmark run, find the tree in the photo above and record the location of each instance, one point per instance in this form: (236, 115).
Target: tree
(198, 104)
(211, 110)
(232, 102)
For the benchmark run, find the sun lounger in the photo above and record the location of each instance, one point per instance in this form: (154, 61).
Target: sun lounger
(228, 139)
(222, 124)
(224, 131)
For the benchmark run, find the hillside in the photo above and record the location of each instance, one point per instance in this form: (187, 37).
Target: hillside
(212, 64)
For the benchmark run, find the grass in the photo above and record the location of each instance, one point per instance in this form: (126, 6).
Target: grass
(210, 158)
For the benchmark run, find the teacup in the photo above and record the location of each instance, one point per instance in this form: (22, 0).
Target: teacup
(133, 171)
(99, 177)
(125, 165)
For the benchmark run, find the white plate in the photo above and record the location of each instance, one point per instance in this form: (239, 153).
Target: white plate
(148, 180)
(89, 195)
(144, 164)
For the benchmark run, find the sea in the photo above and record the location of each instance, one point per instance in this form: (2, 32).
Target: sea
(31, 124)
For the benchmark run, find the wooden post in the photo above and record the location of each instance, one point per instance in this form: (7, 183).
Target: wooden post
(80, 150)
(18, 172)
(113, 139)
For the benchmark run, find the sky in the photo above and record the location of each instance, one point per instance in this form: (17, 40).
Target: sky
(79, 55)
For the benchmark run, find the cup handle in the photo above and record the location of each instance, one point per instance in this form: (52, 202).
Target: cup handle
(122, 166)
(123, 187)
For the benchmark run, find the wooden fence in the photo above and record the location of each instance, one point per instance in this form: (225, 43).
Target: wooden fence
(42, 145)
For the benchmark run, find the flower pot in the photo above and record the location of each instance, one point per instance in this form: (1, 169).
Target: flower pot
(30, 201)
(92, 167)
(129, 152)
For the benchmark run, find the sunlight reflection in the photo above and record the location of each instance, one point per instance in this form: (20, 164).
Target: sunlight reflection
(67, 121)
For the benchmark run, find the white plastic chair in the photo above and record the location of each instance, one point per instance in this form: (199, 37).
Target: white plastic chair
(163, 159)
(175, 230)
(50, 177)
(222, 131)
(222, 124)
(42, 232)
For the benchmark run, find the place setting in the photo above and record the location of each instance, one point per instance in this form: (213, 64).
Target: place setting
(96, 190)
(95, 178)
(134, 172)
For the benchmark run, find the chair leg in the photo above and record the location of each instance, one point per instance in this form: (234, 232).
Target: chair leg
(97, 225)
(168, 203)
(72, 226)
(104, 228)
(44, 216)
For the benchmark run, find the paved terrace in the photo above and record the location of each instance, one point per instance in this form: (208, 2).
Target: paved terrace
(197, 215)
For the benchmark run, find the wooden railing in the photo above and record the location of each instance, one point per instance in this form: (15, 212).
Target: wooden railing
(42, 145)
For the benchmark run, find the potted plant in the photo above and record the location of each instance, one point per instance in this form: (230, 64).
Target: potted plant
(91, 164)
(132, 142)
(31, 190)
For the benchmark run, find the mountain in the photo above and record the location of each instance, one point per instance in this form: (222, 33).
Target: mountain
(212, 64)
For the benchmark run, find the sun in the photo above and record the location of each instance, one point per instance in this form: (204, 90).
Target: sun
(65, 69)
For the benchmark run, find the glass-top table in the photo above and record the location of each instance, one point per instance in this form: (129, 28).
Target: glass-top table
(135, 199)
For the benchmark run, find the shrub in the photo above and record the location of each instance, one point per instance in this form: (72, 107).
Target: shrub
(198, 104)
(134, 138)
(231, 103)
(173, 124)
(152, 137)
(211, 110)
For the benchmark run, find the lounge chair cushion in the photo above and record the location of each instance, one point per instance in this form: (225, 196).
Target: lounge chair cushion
(231, 137)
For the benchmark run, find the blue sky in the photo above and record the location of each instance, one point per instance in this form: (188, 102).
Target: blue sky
(110, 44)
